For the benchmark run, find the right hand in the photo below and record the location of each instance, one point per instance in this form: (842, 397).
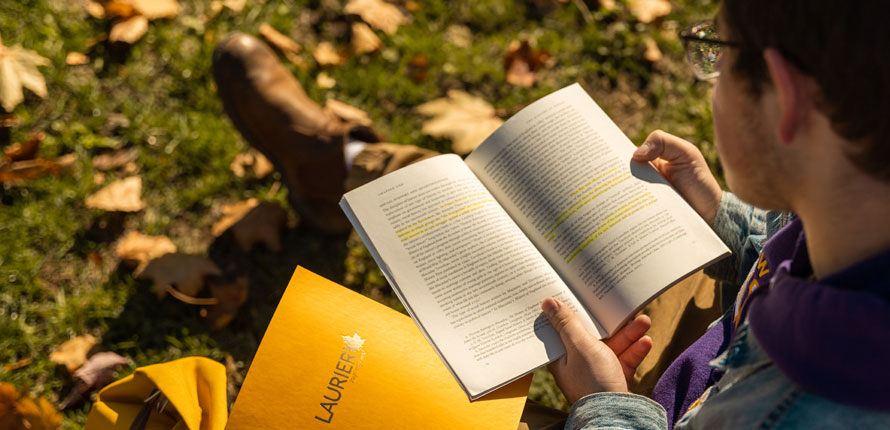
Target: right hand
(684, 166)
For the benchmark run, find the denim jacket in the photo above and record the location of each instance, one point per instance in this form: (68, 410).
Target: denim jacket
(753, 392)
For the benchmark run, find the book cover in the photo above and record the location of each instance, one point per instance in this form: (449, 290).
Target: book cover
(332, 358)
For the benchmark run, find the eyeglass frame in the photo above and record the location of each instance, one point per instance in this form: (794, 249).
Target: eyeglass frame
(688, 35)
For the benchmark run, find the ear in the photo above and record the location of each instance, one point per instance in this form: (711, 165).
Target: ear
(792, 91)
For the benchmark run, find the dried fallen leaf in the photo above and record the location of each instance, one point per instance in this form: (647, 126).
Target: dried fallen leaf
(73, 353)
(99, 370)
(262, 167)
(289, 47)
(459, 35)
(522, 63)
(252, 222)
(141, 248)
(326, 54)
(76, 59)
(378, 13)
(18, 69)
(235, 5)
(461, 117)
(129, 30)
(417, 68)
(119, 9)
(26, 150)
(252, 158)
(185, 272)
(230, 297)
(37, 415)
(36, 168)
(9, 367)
(95, 9)
(324, 80)
(123, 195)
(652, 53)
(348, 112)
(649, 10)
(154, 9)
(364, 39)
(115, 159)
(607, 4)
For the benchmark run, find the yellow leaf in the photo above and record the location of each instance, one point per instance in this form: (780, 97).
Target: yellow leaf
(129, 30)
(76, 59)
(461, 117)
(649, 10)
(378, 13)
(95, 9)
(39, 415)
(326, 54)
(286, 45)
(154, 9)
(347, 112)
(364, 39)
(142, 248)
(185, 272)
(73, 353)
(124, 195)
(252, 222)
(18, 69)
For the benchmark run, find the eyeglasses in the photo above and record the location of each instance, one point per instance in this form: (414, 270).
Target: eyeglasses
(703, 49)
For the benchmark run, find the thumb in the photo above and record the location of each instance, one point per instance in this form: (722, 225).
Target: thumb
(660, 144)
(566, 323)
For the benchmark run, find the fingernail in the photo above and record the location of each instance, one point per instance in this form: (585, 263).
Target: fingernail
(550, 307)
(644, 148)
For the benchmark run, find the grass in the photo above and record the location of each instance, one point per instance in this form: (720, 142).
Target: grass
(59, 276)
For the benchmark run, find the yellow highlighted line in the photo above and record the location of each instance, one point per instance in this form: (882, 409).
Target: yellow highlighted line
(619, 215)
(585, 200)
(462, 198)
(415, 224)
(592, 181)
(462, 211)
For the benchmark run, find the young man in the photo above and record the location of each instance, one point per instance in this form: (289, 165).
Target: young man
(800, 115)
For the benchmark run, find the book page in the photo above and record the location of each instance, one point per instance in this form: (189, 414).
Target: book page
(467, 274)
(614, 229)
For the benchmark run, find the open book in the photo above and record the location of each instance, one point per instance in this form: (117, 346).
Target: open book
(550, 205)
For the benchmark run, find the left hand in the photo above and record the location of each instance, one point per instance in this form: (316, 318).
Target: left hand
(591, 365)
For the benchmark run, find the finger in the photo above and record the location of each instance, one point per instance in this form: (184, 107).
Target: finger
(634, 355)
(566, 323)
(629, 334)
(660, 144)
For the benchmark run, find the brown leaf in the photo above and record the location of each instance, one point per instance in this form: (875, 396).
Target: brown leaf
(326, 54)
(122, 195)
(129, 30)
(522, 62)
(652, 53)
(76, 59)
(115, 159)
(378, 13)
(95, 9)
(154, 9)
(9, 367)
(289, 47)
(417, 68)
(253, 222)
(36, 168)
(99, 370)
(185, 272)
(37, 415)
(461, 117)
(649, 10)
(141, 248)
(262, 167)
(8, 397)
(18, 69)
(607, 4)
(26, 150)
(235, 5)
(364, 39)
(254, 159)
(73, 353)
(118, 9)
(459, 35)
(348, 112)
(230, 296)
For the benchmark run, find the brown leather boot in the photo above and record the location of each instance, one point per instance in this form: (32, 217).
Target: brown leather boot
(273, 113)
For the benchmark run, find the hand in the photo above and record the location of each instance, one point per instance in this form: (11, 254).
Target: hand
(590, 365)
(683, 165)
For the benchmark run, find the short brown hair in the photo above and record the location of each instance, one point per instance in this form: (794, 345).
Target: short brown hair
(844, 46)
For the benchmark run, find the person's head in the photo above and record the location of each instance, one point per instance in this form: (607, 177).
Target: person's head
(801, 71)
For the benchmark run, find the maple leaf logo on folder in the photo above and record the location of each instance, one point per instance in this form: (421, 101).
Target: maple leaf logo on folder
(353, 343)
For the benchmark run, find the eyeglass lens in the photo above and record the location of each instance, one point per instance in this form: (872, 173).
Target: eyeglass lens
(703, 55)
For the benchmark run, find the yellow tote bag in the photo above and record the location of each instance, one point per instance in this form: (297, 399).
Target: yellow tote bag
(184, 394)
